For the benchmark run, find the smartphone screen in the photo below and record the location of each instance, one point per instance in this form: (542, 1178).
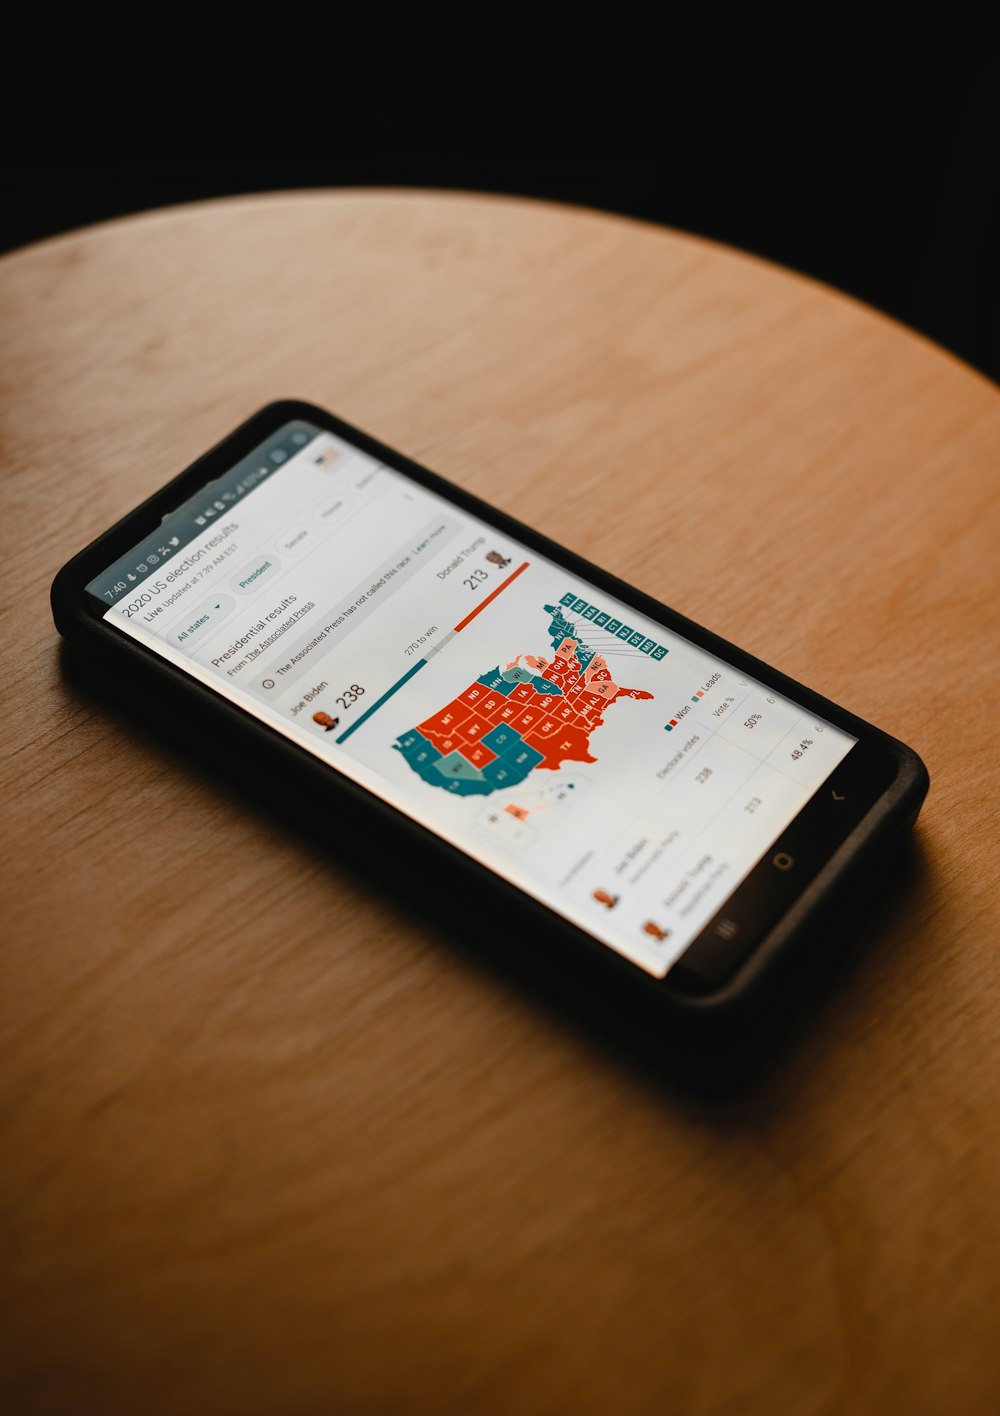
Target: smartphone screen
(615, 771)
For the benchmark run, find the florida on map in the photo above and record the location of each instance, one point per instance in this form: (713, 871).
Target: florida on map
(530, 715)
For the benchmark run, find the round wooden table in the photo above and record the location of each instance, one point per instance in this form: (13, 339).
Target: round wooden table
(269, 1144)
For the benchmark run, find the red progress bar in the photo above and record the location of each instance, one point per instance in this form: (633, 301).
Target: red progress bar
(491, 596)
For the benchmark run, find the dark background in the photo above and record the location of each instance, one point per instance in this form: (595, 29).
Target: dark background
(876, 171)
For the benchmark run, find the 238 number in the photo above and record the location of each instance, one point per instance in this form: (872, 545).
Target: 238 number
(350, 695)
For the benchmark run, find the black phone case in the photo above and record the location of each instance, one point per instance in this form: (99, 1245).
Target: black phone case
(708, 1038)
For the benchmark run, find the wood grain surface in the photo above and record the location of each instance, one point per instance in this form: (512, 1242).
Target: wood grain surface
(269, 1144)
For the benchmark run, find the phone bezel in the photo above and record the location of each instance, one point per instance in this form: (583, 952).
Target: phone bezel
(78, 618)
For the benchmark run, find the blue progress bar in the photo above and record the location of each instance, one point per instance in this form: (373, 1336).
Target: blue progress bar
(384, 699)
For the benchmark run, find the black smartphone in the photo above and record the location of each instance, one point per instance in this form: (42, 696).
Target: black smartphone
(644, 817)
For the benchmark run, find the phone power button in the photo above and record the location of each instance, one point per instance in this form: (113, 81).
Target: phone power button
(783, 861)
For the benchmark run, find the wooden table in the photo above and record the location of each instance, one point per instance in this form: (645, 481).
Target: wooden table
(270, 1145)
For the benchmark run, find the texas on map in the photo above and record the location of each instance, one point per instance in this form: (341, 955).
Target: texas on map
(532, 715)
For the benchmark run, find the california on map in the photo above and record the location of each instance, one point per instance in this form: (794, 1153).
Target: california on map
(533, 714)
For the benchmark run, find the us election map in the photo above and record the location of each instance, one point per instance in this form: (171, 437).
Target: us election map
(531, 715)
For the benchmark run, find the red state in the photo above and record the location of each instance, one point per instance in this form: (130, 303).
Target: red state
(530, 717)
(631, 693)
(548, 727)
(446, 721)
(477, 754)
(474, 727)
(509, 711)
(590, 718)
(474, 694)
(490, 706)
(522, 694)
(565, 712)
(568, 745)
